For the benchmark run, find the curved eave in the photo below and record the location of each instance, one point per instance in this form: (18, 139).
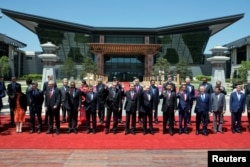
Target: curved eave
(213, 26)
(11, 41)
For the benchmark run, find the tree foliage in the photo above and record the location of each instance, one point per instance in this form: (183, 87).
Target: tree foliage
(88, 66)
(182, 68)
(4, 66)
(68, 69)
(161, 64)
(245, 66)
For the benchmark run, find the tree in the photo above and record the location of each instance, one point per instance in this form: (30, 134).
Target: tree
(182, 68)
(161, 64)
(245, 66)
(68, 68)
(4, 66)
(88, 66)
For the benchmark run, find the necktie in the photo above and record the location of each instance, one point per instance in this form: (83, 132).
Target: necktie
(149, 97)
(169, 95)
(185, 96)
(132, 94)
(50, 93)
(202, 97)
(137, 88)
(91, 95)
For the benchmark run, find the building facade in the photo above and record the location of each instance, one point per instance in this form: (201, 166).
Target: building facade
(126, 53)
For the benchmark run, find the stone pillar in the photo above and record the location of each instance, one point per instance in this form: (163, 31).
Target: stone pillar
(49, 58)
(100, 63)
(218, 61)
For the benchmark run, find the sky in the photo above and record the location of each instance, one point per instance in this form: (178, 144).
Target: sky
(128, 13)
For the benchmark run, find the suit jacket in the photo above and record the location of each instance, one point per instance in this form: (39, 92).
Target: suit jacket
(203, 106)
(248, 101)
(36, 99)
(184, 103)
(63, 91)
(139, 89)
(91, 103)
(190, 88)
(218, 104)
(2, 89)
(73, 99)
(22, 101)
(46, 86)
(102, 93)
(155, 96)
(172, 84)
(236, 104)
(114, 99)
(146, 102)
(247, 89)
(12, 91)
(208, 88)
(169, 101)
(54, 100)
(132, 103)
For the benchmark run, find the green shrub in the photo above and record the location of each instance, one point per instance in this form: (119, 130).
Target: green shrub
(32, 76)
(199, 77)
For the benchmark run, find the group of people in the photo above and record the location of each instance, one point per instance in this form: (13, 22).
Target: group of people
(138, 100)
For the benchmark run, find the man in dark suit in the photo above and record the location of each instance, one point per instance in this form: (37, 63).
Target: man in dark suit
(113, 104)
(102, 93)
(183, 107)
(169, 106)
(208, 87)
(11, 91)
(202, 109)
(72, 106)
(218, 108)
(63, 90)
(35, 99)
(147, 109)
(139, 91)
(237, 107)
(2, 91)
(170, 81)
(247, 93)
(131, 107)
(45, 89)
(190, 89)
(154, 91)
(91, 106)
(120, 87)
(52, 106)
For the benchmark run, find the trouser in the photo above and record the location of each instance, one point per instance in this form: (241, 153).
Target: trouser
(120, 113)
(236, 120)
(64, 111)
(156, 114)
(115, 119)
(168, 115)
(189, 114)
(101, 112)
(72, 118)
(133, 122)
(11, 105)
(149, 116)
(90, 115)
(54, 114)
(217, 118)
(33, 114)
(183, 117)
(204, 117)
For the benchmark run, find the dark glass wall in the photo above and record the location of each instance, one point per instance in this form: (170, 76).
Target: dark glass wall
(124, 67)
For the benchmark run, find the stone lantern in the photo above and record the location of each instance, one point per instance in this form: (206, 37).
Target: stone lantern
(218, 61)
(49, 58)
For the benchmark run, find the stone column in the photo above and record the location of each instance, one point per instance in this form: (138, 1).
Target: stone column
(218, 61)
(49, 58)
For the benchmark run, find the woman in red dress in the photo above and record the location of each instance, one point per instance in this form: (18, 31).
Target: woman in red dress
(83, 88)
(20, 108)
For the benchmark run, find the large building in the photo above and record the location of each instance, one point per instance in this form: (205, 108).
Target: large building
(126, 52)
(238, 50)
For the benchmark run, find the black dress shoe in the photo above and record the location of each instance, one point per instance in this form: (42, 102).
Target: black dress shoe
(94, 131)
(133, 132)
(39, 131)
(31, 131)
(75, 131)
(238, 131)
(152, 132)
(186, 131)
(49, 132)
(180, 132)
(144, 132)
(88, 131)
(197, 132)
(57, 131)
(233, 131)
(68, 131)
(114, 131)
(106, 131)
(171, 133)
(204, 133)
